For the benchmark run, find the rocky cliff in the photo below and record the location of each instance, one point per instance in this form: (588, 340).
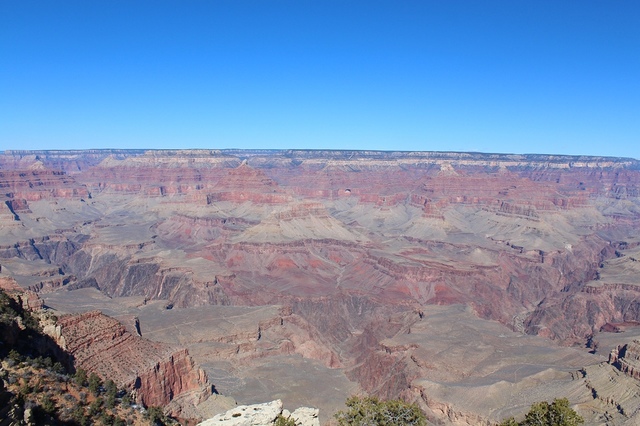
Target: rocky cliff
(626, 358)
(156, 373)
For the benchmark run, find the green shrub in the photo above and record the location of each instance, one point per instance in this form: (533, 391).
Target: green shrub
(48, 405)
(372, 411)
(156, 416)
(95, 407)
(78, 414)
(15, 356)
(126, 400)
(284, 421)
(80, 377)
(558, 413)
(94, 383)
(57, 368)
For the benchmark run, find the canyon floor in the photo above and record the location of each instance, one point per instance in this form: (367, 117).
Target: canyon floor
(469, 283)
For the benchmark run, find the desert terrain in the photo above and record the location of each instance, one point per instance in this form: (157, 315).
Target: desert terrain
(473, 284)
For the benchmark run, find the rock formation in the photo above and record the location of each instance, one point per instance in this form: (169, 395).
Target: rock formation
(156, 372)
(626, 358)
(356, 245)
(263, 415)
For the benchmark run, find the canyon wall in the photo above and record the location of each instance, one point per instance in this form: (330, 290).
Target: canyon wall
(357, 245)
(156, 373)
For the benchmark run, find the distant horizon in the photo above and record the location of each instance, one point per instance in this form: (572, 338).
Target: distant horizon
(277, 150)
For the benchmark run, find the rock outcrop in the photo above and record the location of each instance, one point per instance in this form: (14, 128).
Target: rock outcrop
(155, 372)
(626, 358)
(263, 415)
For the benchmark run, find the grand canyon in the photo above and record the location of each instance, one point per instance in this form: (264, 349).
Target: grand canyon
(471, 284)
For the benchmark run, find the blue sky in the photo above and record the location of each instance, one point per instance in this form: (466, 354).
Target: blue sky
(558, 77)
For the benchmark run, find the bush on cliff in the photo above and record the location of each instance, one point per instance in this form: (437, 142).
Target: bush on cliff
(94, 383)
(284, 421)
(558, 413)
(370, 411)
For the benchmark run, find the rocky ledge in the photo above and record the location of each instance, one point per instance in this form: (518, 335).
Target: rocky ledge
(263, 415)
(626, 358)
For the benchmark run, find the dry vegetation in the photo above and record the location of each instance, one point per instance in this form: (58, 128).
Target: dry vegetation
(37, 389)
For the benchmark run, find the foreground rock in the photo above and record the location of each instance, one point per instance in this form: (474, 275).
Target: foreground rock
(263, 415)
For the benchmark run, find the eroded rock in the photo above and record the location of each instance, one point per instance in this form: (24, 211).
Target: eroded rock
(263, 415)
(156, 372)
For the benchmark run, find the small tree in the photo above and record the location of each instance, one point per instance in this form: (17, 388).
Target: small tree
(57, 368)
(96, 407)
(110, 387)
(48, 405)
(78, 415)
(156, 416)
(371, 411)
(126, 400)
(110, 401)
(111, 390)
(558, 413)
(94, 383)
(25, 389)
(106, 419)
(15, 356)
(80, 377)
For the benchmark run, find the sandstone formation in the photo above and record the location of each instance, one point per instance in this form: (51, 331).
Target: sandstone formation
(357, 247)
(156, 372)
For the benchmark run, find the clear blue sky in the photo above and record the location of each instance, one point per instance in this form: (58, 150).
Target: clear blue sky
(560, 77)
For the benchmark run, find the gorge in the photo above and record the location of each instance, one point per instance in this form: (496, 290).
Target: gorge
(470, 283)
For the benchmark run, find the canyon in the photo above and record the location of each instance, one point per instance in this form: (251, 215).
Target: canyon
(469, 283)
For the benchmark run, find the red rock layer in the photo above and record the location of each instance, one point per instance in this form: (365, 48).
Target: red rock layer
(32, 185)
(156, 372)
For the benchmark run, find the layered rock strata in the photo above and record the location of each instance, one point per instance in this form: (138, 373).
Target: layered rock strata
(356, 244)
(156, 372)
(626, 358)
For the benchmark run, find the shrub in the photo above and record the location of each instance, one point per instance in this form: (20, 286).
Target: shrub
(126, 400)
(80, 377)
(78, 414)
(156, 416)
(106, 419)
(284, 421)
(15, 356)
(558, 413)
(372, 411)
(48, 405)
(57, 368)
(94, 383)
(95, 407)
